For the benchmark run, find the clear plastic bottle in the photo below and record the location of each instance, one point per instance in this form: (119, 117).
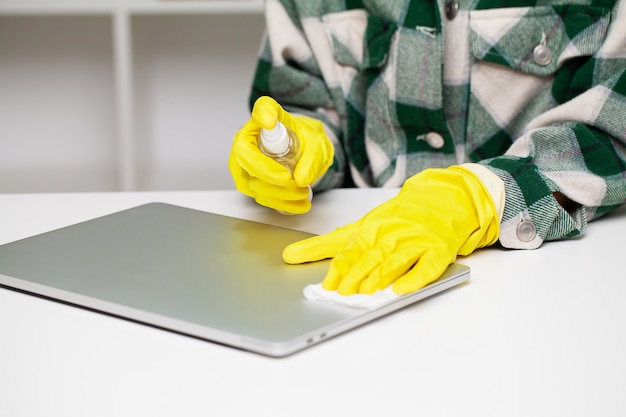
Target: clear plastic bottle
(282, 145)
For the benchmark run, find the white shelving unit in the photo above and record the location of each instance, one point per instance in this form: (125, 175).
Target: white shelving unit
(103, 95)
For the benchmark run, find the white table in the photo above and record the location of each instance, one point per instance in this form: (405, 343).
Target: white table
(534, 333)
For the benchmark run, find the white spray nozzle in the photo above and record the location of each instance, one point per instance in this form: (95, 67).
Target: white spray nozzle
(275, 140)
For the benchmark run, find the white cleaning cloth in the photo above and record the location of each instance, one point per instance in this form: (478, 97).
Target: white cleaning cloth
(315, 292)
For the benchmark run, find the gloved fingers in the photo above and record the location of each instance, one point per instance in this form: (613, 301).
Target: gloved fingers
(427, 270)
(289, 192)
(353, 264)
(285, 206)
(317, 248)
(317, 156)
(348, 270)
(392, 268)
(240, 176)
(289, 199)
(246, 152)
(366, 265)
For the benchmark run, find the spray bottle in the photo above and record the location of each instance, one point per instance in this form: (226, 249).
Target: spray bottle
(282, 145)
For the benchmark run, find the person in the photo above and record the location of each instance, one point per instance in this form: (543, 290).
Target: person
(501, 121)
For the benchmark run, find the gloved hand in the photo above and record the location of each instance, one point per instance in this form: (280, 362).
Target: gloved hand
(267, 181)
(409, 240)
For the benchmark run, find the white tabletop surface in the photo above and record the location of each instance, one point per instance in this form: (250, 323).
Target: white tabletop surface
(533, 333)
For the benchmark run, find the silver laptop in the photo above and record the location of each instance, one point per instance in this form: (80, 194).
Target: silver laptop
(204, 275)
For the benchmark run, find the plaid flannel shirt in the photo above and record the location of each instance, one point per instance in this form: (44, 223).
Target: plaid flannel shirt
(533, 91)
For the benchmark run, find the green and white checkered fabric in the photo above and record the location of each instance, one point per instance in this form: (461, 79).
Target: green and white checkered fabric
(402, 88)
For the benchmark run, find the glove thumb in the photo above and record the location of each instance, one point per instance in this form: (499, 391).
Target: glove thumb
(266, 112)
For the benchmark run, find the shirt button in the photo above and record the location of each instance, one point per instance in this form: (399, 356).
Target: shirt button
(542, 55)
(526, 230)
(435, 140)
(452, 9)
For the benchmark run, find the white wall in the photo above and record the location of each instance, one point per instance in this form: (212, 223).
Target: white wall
(191, 76)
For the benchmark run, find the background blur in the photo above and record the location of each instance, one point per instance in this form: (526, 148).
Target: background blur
(123, 95)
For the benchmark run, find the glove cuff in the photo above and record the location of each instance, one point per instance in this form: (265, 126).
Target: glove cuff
(488, 211)
(492, 183)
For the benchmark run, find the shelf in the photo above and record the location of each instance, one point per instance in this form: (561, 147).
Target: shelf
(56, 7)
(98, 7)
(123, 95)
(194, 6)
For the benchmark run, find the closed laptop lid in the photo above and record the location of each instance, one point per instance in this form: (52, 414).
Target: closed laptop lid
(201, 274)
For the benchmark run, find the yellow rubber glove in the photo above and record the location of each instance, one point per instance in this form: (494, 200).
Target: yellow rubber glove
(409, 240)
(267, 181)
